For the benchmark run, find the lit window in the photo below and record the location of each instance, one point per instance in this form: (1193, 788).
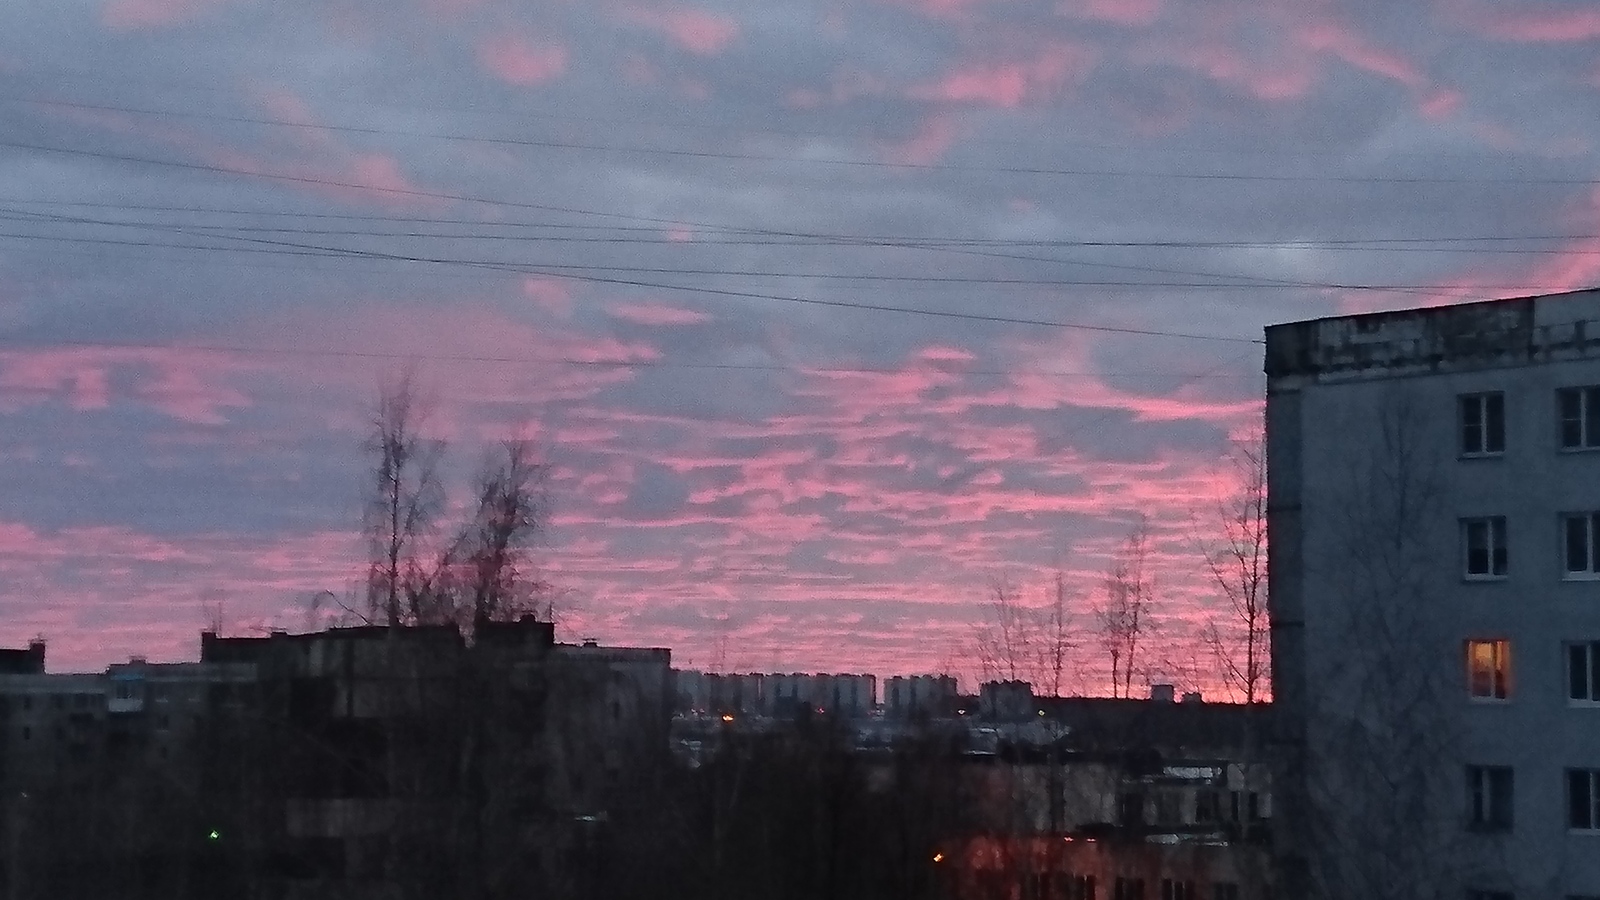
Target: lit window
(1489, 798)
(1580, 417)
(1581, 544)
(1483, 543)
(1489, 669)
(1583, 799)
(1483, 424)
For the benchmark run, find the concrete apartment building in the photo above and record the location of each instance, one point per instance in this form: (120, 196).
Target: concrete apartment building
(1434, 525)
(352, 762)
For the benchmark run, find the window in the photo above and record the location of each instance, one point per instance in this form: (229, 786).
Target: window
(1581, 551)
(1130, 809)
(1483, 424)
(1127, 889)
(1207, 807)
(1484, 544)
(1169, 810)
(1580, 417)
(1488, 669)
(1080, 887)
(1489, 798)
(1177, 890)
(1583, 798)
(1583, 672)
(1224, 890)
(1244, 807)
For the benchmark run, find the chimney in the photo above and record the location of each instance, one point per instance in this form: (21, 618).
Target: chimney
(1161, 693)
(1192, 697)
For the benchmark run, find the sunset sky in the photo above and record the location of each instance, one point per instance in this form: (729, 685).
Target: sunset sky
(826, 313)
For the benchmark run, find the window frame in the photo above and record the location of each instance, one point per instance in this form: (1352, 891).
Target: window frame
(1499, 671)
(1592, 780)
(1491, 806)
(1480, 404)
(1587, 421)
(1589, 676)
(1497, 555)
(1590, 541)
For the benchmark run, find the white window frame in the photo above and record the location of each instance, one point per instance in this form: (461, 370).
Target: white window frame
(1588, 429)
(1583, 667)
(1495, 532)
(1589, 522)
(1499, 671)
(1593, 777)
(1474, 439)
(1483, 814)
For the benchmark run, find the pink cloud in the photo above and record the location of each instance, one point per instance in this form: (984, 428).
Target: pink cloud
(552, 295)
(656, 314)
(187, 385)
(1356, 50)
(518, 61)
(1056, 67)
(132, 15)
(1121, 12)
(1266, 73)
(934, 136)
(1525, 23)
(698, 31)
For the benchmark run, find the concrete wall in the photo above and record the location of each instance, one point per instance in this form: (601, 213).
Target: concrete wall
(1337, 389)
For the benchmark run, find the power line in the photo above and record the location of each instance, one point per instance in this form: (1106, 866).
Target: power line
(1295, 243)
(314, 250)
(954, 368)
(560, 270)
(630, 236)
(856, 163)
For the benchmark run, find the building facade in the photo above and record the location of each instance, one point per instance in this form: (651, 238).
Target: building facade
(1434, 527)
(352, 762)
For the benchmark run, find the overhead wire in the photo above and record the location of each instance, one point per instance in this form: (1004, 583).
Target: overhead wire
(1160, 174)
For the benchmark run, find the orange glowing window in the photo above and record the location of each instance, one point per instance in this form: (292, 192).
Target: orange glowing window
(1489, 669)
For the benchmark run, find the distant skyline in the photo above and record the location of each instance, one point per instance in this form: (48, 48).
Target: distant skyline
(643, 234)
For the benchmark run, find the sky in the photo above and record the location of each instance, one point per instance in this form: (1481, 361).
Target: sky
(827, 315)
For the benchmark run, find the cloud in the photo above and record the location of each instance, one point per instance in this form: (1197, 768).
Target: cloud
(516, 60)
(1040, 79)
(699, 31)
(133, 15)
(1526, 23)
(656, 314)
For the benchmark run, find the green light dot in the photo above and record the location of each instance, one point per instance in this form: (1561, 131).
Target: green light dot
(213, 835)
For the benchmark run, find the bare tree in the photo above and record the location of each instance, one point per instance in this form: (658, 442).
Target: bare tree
(1057, 645)
(403, 498)
(1004, 643)
(213, 608)
(1123, 613)
(1382, 776)
(1236, 559)
(496, 579)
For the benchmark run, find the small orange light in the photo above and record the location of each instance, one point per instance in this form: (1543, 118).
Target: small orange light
(727, 718)
(938, 857)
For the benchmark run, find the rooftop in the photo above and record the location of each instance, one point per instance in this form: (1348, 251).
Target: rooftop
(1491, 333)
